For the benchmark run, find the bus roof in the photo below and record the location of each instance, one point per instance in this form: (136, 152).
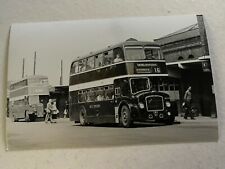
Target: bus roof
(128, 42)
(28, 77)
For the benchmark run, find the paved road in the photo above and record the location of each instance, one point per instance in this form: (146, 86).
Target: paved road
(66, 134)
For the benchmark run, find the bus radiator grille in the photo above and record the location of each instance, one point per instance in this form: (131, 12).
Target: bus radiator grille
(154, 103)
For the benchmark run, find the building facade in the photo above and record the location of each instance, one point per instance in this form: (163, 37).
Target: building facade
(188, 61)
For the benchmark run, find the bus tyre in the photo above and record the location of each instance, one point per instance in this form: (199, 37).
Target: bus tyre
(83, 117)
(125, 116)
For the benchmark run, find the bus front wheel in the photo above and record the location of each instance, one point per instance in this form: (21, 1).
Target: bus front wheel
(125, 116)
(83, 117)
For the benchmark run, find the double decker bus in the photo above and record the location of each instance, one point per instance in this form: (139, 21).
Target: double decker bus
(119, 85)
(27, 98)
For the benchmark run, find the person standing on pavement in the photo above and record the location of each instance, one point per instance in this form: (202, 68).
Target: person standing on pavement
(49, 109)
(188, 103)
(66, 111)
(55, 111)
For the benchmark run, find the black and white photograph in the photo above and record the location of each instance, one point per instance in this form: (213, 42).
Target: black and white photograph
(110, 82)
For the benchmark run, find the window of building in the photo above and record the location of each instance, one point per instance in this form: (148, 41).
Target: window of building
(191, 57)
(180, 58)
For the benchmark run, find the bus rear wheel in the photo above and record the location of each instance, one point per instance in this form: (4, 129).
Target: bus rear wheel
(83, 117)
(125, 116)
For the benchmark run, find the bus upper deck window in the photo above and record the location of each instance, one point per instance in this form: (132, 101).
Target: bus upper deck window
(118, 55)
(90, 63)
(82, 65)
(74, 68)
(99, 60)
(134, 53)
(108, 57)
(117, 58)
(152, 53)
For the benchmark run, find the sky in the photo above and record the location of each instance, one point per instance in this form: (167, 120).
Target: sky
(66, 40)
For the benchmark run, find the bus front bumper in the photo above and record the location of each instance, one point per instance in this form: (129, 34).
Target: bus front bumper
(143, 115)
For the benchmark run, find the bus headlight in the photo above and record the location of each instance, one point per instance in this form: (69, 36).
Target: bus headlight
(141, 105)
(168, 104)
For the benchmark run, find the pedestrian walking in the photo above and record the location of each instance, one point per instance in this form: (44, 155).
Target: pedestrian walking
(187, 104)
(48, 110)
(65, 113)
(55, 111)
(66, 110)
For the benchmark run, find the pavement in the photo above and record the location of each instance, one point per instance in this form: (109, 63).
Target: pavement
(66, 134)
(196, 120)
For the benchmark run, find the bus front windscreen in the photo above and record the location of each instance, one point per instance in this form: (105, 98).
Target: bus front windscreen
(139, 84)
(141, 53)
